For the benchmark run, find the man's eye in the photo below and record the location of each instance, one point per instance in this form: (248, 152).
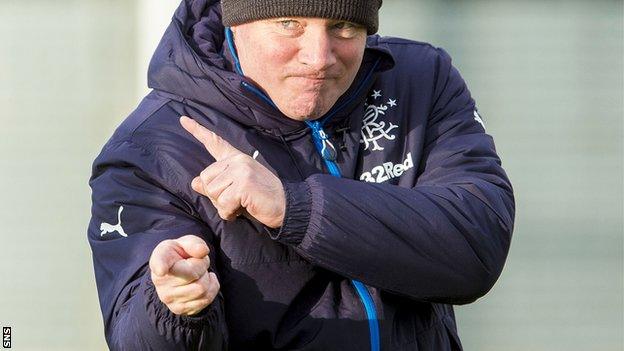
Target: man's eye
(344, 25)
(347, 29)
(288, 24)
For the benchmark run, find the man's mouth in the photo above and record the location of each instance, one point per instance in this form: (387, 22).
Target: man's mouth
(313, 78)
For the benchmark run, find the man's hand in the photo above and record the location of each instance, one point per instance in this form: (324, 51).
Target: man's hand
(179, 271)
(236, 183)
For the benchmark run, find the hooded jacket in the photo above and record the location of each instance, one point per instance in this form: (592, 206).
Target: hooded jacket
(409, 215)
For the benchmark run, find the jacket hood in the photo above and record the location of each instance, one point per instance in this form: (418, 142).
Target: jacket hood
(191, 61)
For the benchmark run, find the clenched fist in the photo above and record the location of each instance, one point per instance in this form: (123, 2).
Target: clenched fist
(236, 183)
(179, 271)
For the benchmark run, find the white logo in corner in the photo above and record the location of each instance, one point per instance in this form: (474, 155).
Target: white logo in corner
(109, 228)
(373, 129)
(388, 171)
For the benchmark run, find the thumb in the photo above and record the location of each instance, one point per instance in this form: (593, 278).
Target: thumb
(190, 269)
(193, 246)
(164, 256)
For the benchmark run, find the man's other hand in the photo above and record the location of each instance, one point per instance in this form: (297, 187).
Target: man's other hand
(179, 271)
(236, 183)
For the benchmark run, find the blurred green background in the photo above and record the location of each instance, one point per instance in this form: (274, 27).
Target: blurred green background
(548, 80)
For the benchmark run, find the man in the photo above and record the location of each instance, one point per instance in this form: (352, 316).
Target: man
(325, 189)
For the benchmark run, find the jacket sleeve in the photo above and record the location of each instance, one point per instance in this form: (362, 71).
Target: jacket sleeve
(132, 211)
(445, 239)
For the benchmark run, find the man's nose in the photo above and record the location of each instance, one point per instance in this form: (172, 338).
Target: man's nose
(317, 49)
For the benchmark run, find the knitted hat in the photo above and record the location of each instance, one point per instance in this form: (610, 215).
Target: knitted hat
(364, 12)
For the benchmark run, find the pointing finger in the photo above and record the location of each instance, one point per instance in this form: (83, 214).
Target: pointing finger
(164, 257)
(190, 270)
(193, 246)
(216, 146)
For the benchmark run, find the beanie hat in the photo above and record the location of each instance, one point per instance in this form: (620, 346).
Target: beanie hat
(364, 12)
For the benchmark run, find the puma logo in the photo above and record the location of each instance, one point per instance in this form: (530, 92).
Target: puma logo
(109, 228)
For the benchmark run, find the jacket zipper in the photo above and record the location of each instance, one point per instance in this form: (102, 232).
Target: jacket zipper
(328, 152)
(322, 146)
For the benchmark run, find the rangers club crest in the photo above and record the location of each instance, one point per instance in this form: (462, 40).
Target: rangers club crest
(374, 129)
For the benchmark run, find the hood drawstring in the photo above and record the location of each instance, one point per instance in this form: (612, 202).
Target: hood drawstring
(343, 130)
(292, 157)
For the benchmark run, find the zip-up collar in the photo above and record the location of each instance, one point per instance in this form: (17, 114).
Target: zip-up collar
(316, 126)
(191, 62)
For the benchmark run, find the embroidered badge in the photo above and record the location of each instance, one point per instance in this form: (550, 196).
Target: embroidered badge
(373, 128)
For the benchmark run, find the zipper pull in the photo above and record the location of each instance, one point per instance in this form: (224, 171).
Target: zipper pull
(328, 151)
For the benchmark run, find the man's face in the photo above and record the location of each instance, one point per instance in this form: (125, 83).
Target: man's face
(303, 64)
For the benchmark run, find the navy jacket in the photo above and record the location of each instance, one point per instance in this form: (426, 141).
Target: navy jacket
(411, 214)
